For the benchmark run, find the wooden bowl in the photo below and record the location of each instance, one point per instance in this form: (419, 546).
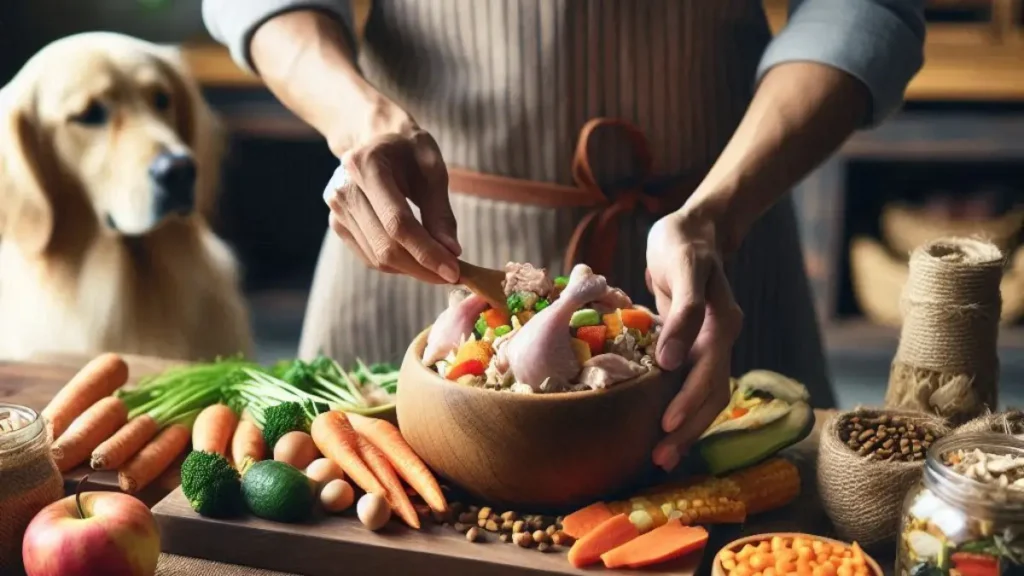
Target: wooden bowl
(537, 452)
(718, 570)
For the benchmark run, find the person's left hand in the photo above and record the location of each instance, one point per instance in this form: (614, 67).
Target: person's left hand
(701, 322)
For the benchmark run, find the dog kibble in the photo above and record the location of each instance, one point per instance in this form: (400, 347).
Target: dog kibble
(885, 437)
(491, 526)
(484, 513)
(540, 536)
(509, 516)
(473, 534)
(505, 537)
(518, 526)
(522, 539)
(543, 547)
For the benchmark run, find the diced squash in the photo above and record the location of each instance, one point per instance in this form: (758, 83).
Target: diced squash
(582, 521)
(581, 349)
(480, 350)
(738, 412)
(614, 323)
(594, 337)
(659, 545)
(494, 317)
(638, 319)
(525, 316)
(471, 367)
(608, 535)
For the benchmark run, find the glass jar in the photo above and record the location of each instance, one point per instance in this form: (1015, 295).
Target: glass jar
(953, 525)
(29, 479)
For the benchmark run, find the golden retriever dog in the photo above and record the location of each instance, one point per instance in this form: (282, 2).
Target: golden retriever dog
(109, 165)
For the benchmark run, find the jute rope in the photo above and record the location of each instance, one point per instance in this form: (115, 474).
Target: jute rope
(29, 481)
(947, 362)
(1011, 422)
(864, 498)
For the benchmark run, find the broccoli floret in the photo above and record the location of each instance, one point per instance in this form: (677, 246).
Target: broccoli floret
(561, 281)
(212, 486)
(286, 417)
(515, 303)
(541, 304)
(480, 326)
(502, 330)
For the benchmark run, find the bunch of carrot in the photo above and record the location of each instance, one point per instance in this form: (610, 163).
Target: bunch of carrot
(141, 431)
(373, 454)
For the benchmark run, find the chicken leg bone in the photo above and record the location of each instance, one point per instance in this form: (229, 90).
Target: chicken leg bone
(453, 326)
(542, 349)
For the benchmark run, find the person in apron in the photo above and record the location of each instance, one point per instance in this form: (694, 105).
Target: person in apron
(654, 140)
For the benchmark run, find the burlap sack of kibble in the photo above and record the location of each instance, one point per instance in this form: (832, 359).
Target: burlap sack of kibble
(947, 362)
(29, 481)
(1011, 422)
(864, 498)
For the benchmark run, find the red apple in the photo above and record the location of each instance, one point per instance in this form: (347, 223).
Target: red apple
(105, 533)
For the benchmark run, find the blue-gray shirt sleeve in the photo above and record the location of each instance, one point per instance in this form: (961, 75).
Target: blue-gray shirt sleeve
(879, 42)
(233, 22)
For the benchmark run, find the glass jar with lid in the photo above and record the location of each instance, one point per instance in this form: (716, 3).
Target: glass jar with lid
(29, 479)
(966, 515)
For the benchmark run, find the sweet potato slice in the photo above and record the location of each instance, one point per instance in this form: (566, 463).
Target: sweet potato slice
(659, 545)
(586, 519)
(608, 535)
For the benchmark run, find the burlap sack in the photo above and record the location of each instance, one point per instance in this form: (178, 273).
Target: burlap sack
(29, 481)
(947, 362)
(1011, 422)
(864, 498)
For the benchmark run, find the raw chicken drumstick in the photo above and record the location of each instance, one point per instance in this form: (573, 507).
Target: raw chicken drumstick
(453, 326)
(542, 349)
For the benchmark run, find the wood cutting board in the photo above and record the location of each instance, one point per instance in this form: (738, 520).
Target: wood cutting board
(330, 545)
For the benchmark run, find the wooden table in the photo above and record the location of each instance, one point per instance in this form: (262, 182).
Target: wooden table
(33, 384)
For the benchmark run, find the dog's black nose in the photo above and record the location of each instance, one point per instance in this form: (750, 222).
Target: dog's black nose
(175, 177)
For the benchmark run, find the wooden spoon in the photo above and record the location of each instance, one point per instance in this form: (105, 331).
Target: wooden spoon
(484, 282)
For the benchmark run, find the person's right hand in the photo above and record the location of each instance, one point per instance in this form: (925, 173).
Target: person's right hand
(369, 197)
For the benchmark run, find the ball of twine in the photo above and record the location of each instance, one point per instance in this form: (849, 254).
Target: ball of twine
(947, 362)
(1011, 423)
(862, 497)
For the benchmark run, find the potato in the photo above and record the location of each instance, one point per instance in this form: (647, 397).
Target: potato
(296, 448)
(337, 496)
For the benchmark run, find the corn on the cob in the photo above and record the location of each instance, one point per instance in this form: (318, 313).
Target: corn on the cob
(766, 486)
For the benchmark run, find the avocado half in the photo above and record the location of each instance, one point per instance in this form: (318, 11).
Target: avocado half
(734, 449)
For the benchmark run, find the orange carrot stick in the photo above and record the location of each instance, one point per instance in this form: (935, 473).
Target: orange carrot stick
(125, 443)
(382, 469)
(386, 438)
(153, 459)
(247, 444)
(86, 432)
(336, 439)
(664, 543)
(582, 521)
(608, 535)
(213, 429)
(97, 379)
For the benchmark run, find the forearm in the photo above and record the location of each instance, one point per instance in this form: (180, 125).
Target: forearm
(306, 60)
(800, 114)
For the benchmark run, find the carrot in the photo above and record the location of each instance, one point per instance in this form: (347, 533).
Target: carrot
(382, 469)
(100, 377)
(471, 366)
(608, 535)
(336, 439)
(388, 439)
(664, 543)
(86, 432)
(582, 521)
(129, 439)
(154, 458)
(637, 319)
(494, 318)
(213, 429)
(247, 444)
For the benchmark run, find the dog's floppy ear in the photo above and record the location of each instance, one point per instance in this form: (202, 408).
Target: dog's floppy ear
(26, 215)
(199, 127)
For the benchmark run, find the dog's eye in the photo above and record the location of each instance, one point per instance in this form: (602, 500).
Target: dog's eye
(161, 100)
(94, 115)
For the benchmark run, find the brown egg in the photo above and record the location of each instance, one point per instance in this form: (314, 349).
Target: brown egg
(323, 471)
(337, 496)
(297, 449)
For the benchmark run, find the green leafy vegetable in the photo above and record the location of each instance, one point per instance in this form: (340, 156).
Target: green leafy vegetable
(481, 326)
(541, 304)
(515, 303)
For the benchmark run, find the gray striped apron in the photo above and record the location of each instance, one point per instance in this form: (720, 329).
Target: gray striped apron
(506, 86)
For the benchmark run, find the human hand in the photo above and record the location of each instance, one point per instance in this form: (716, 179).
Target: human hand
(369, 197)
(701, 322)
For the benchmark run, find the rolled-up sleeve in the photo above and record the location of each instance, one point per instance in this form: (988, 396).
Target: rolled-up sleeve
(879, 42)
(233, 22)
